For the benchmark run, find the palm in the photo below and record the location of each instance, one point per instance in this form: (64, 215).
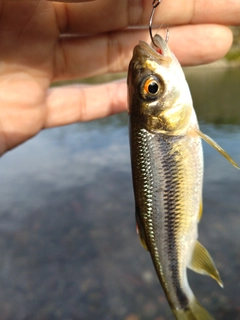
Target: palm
(27, 68)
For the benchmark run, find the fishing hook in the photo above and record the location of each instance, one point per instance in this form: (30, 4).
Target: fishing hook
(154, 6)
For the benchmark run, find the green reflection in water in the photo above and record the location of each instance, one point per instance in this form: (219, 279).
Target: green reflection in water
(216, 94)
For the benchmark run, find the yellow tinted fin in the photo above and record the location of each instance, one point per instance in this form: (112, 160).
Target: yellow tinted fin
(213, 144)
(140, 230)
(194, 312)
(202, 263)
(200, 211)
(142, 239)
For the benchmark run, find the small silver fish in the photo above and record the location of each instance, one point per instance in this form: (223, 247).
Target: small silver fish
(167, 170)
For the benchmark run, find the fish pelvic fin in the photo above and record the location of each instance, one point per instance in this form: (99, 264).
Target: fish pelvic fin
(214, 144)
(194, 312)
(201, 262)
(140, 230)
(141, 237)
(200, 211)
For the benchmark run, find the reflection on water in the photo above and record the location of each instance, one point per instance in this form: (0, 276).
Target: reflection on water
(68, 245)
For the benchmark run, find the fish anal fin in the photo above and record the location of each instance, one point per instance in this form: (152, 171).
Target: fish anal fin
(194, 312)
(202, 263)
(216, 146)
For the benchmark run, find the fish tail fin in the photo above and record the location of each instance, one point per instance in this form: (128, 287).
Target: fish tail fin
(195, 311)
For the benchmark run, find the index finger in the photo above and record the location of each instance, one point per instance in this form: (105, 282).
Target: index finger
(107, 15)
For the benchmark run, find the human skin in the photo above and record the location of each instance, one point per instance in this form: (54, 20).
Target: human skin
(36, 50)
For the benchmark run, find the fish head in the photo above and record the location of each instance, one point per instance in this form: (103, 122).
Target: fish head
(158, 93)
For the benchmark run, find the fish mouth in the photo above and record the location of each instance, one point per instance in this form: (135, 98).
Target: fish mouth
(160, 45)
(159, 51)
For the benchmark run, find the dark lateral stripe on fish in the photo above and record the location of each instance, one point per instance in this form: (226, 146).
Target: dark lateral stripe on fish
(170, 171)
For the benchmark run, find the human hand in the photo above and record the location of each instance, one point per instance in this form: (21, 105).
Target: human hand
(34, 52)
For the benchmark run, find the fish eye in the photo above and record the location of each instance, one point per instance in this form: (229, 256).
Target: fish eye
(151, 87)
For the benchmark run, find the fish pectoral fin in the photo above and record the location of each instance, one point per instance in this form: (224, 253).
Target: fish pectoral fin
(202, 263)
(214, 144)
(140, 231)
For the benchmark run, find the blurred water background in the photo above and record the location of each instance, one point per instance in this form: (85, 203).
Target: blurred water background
(68, 246)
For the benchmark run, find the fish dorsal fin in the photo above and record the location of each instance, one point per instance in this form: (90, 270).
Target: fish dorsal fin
(140, 231)
(202, 263)
(213, 144)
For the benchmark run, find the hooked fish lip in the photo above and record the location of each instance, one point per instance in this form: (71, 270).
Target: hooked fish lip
(151, 50)
(158, 50)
